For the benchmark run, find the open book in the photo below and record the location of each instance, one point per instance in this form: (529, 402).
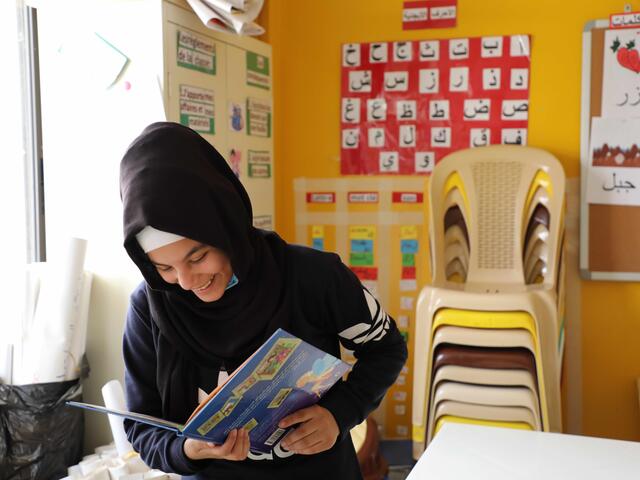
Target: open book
(284, 375)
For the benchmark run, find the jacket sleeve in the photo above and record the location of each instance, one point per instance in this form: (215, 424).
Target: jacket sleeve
(362, 325)
(159, 448)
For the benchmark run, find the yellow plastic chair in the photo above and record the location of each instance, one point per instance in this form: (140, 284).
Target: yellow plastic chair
(485, 423)
(486, 412)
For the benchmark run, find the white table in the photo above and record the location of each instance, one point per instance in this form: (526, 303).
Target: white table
(463, 452)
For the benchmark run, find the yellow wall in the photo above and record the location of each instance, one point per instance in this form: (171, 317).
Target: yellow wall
(306, 36)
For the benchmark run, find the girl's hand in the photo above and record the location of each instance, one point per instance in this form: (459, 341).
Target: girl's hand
(235, 447)
(317, 432)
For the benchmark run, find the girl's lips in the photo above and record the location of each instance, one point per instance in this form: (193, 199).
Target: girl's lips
(205, 286)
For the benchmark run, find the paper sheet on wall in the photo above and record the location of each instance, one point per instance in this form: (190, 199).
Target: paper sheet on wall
(621, 67)
(91, 60)
(614, 170)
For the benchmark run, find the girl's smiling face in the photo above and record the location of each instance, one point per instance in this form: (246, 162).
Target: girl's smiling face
(194, 266)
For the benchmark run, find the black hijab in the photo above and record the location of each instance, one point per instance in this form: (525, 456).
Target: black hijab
(175, 181)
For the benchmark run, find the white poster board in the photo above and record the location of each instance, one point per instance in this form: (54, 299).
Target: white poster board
(221, 86)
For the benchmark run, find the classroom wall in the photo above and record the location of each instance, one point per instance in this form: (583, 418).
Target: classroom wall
(306, 36)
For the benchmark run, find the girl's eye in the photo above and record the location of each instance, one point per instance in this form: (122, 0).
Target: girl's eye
(163, 269)
(199, 259)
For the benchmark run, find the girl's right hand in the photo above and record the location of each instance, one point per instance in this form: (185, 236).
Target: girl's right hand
(235, 447)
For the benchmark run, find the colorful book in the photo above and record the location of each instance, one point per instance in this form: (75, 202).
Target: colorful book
(284, 375)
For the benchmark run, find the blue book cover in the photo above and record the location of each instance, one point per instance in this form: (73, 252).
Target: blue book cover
(284, 375)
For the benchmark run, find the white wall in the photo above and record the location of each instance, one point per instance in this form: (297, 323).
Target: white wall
(87, 128)
(12, 179)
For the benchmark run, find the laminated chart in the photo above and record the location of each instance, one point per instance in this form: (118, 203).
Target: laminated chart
(405, 105)
(377, 226)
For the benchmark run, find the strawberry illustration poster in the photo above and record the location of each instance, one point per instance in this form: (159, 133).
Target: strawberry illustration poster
(405, 105)
(621, 73)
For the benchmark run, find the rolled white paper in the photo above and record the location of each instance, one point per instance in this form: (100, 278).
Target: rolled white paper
(113, 396)
(45, 355)
(78, 341)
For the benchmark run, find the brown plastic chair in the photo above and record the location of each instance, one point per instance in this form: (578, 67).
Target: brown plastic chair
(484, 357)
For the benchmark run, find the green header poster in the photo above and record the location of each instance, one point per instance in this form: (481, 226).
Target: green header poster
(259, 163)
(258, 117)
(196, 53)
(258, 71)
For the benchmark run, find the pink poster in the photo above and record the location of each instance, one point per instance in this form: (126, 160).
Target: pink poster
(405, 105)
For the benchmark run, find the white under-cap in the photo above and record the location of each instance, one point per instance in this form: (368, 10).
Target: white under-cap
(151, 238)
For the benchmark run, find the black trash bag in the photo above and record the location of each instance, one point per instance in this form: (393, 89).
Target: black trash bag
(39, 435)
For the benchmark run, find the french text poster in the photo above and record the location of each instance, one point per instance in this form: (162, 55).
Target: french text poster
(197, 108)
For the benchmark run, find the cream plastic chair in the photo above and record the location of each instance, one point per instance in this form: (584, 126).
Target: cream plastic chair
(483, 395)
(486, 412)
(486, 376)
(497, 189)
(484, 337)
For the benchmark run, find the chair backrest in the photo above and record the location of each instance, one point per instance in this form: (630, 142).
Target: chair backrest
(497, 217)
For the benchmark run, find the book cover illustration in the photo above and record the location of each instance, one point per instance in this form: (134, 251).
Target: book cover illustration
(285, 374)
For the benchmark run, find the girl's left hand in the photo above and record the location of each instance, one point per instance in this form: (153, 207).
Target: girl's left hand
(316, 433)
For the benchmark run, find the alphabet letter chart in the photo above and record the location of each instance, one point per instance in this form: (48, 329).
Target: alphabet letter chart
(405, 105)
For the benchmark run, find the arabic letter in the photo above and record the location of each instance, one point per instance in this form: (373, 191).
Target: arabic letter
(428, 51)
(612, 187)
(400, 52)
(408, 141)
(350, 51)
(374, 108)
(348, 111)
(520, 81)
(468, 115)
(462, 51)
(373, 53)
(351, 140)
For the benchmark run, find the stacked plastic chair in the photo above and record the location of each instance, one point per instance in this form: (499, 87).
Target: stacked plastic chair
(489, 330)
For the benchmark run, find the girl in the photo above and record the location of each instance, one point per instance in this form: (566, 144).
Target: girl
(215, 288)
